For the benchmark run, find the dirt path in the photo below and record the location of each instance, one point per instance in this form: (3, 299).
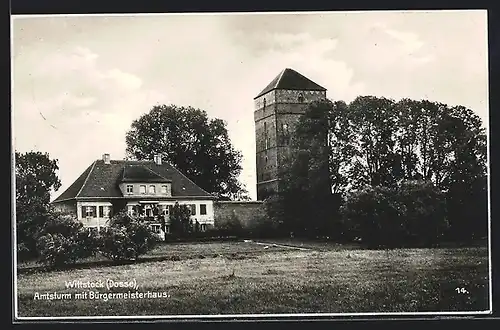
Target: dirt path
(278, 245)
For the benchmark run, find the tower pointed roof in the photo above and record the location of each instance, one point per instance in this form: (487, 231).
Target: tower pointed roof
(292, 80)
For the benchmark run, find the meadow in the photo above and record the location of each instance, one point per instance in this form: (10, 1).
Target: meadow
(246, 277)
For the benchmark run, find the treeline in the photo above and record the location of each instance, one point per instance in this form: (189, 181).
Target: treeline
(384, 172)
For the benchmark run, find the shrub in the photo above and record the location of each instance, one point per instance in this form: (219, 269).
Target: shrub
(229, 227)
(63, 240)
(263, 226)
(180, 220)
(410, 213)
(126, 238)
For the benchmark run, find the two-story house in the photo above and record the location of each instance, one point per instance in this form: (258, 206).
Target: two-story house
(142, 188)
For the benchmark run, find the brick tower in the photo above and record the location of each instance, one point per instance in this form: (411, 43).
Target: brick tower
(277, 109)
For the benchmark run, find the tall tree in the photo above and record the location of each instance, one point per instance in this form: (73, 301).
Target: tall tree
(465, 179)
(341, 146)
(373, 122)
(306, 185)
(198, 146)
(36, 177)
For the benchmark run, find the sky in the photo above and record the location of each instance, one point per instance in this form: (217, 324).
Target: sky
(80, 81)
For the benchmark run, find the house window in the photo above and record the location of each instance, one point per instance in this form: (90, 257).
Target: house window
(155, 229)
(164, 190)
(167, 229)
(130, 189)
(203, 227)
(203, 209)
(152, 189)
(301, 98)
(107, 211)
(89, 212)
(264, 102)
(142, 189)
(193, 209)
(169, 210)
(101, 211)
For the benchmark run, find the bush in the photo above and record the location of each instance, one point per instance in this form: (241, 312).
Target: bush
(229, 227)
(126, 238)
(180, 220)
(24, 252)
(263, 226)
(63, 240)
(412, 213)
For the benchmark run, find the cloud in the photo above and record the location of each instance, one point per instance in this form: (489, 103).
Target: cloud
(410, 41)
(76, 110)
(90, 82)
(126, 80)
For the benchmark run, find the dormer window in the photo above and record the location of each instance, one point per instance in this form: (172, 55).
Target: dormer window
(164, 189)
(130, 189)
(142, 189)
(152, 189)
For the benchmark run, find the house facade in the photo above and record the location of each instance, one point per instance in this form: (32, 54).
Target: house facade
(146, 189)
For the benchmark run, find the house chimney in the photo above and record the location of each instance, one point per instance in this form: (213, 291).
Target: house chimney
(106, 159)
(157, 159)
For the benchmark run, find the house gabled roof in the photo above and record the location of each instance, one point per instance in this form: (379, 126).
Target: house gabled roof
(291, 80)
(102, 180)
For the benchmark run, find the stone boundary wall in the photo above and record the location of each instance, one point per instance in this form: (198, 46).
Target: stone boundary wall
(243, 211)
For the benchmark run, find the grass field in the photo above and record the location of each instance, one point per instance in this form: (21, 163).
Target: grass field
(250, 278)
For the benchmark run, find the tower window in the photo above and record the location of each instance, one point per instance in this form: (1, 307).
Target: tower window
(264, 102)
(286, 133)
(266, 140)
(301, 98)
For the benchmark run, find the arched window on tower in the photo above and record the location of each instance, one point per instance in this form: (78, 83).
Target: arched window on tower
(301, 98)
(264, 102)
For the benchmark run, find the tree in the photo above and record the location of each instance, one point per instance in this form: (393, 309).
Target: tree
(341, 146)
(198, 146)
(465, 178)
(180, 220)
(306, 187)
(64, 240)
(382, 143)
(373, 122)
(409, 213)
(126, 238)
(447, 146)
(36, 177)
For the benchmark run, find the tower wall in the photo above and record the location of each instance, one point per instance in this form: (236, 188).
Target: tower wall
(276, 114)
